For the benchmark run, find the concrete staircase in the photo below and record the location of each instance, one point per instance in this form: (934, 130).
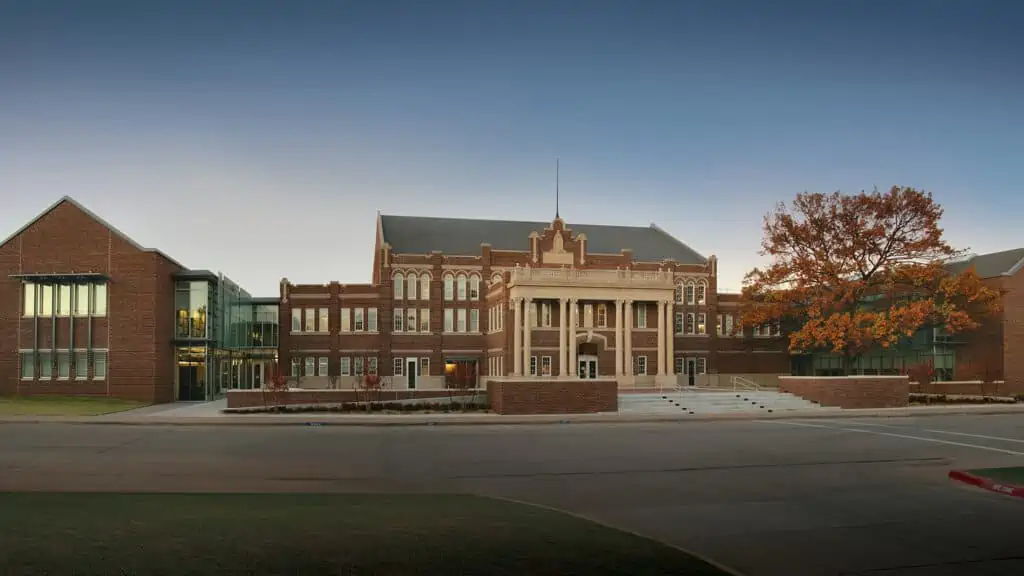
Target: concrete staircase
(691, 401)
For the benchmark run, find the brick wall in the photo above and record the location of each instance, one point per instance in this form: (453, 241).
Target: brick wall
(849, 391)
(1013, 333)
(553, 397)
(257, 398)
(975, 388)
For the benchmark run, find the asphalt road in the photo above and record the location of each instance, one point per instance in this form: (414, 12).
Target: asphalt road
(814, 497)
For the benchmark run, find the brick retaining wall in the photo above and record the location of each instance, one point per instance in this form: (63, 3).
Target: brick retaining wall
(849, 391)
(257, 398)
(965, 388)
(553, 396)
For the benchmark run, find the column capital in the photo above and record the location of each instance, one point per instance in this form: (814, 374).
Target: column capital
(527, 299)
(574, 300)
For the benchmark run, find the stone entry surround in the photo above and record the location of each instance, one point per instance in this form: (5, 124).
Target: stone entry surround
(623, 290)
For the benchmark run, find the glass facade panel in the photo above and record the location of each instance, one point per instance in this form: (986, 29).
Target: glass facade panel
(192, 309)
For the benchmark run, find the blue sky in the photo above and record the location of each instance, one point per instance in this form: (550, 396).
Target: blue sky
(260, 138)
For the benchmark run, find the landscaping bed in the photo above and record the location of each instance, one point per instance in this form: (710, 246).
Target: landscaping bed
(394, 407)
(931, 399)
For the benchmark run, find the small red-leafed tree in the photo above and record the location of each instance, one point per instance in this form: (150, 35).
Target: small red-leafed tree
(852, 272)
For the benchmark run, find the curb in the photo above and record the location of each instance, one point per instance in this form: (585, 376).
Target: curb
(987, 483)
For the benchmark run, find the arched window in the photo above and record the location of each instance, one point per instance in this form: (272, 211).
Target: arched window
(689, 292)
(399, 283)
(474, 287)
(679, 293)
(425, 287)
(411, 286)
(461, 287)
(449, 287)
(702, 293)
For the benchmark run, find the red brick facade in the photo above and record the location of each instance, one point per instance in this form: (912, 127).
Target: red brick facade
(558, 397)
(849, 391)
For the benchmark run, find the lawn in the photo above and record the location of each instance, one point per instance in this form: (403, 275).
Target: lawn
(264, 534)
(63, 405)
(1013, 475)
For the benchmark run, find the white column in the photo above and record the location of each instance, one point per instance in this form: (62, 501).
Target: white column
(563, 348)
(527, 336)
(670, 343)
(618, 338)
(661, 338)
(517, 338)
(573, 313)
(628, 360)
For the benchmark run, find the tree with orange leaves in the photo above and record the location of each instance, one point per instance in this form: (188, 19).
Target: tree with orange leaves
(852, 272)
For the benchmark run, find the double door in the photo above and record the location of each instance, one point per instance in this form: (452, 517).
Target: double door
(587, 369)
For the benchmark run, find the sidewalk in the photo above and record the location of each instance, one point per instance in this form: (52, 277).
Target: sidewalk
(209, 414)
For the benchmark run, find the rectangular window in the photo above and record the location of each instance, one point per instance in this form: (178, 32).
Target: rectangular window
(371, 365)
(449, 320)
(641, 315)
(424, 319)
(702, 323)
(324, 325)
(424, 288)
(396, 368)
(679, 323)
(357, 319)
(399, 286)
(728, 325)
(310, 320)
(346, 319)
(399, 316)
(358, 360)
(545, 365)
(720, 325)
(321, 367)
(602, 316)
(99, 300)
(680, 365)
(371, 319)
(64, 300)
(461, 287)
(474, 320)
(410, 289)
(29, 300)
(689, 294)
(588, 315)
(296, 367)
(702, 365)
(296, 321)
(533, 365)
(462, 320)
(81, 365)
(424, 366)
(449, 288)
(346, 366)
(28, 365)
(532, 316)
(410, 319)
(45, 365)
(99, 365)
(641, 365)
(63, 365)
(45, 300)
(690, 324)
(81, 300)
(474, 288)
(701, 294)
(309, 368)
(776, 327)
(545, 314)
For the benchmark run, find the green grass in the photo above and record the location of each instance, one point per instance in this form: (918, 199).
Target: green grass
(1013, 475)
(264, 534)
(63, 405)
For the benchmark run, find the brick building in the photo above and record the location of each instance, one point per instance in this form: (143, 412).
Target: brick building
(523, 299)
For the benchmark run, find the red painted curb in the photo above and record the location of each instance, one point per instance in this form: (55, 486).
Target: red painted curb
(987, 483)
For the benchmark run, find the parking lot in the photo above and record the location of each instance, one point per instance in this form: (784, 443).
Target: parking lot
(785, 497)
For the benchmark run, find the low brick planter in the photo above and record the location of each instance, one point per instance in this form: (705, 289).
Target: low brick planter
(850, 391)
(259, 398)
(553, 396)
(963, 388)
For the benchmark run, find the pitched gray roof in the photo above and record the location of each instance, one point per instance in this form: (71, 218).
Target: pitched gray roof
(463, 236)
(1005, 263)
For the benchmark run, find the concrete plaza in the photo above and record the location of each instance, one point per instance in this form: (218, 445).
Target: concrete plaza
(782, 497)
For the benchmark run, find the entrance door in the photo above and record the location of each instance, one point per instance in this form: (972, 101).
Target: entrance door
(257, 375)
(588, 367)
(691, 369)
(412, 366)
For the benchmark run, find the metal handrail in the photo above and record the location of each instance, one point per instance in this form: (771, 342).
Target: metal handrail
(744, 383)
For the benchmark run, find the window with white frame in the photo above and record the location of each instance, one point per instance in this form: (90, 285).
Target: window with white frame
(702, 293)
(461, 320)
(680, 365)
(99, 300)
(296, 367)
(64, 300)
(461, 287)
(679, 294)
(533, 365)
(371, 319)
(449, 288)
(45, 300)
(424, 366)
(29, 299)
(641, 315)
(324, 324)
(641, 365)
(371, 365)
(357, 363)
(424, 319)
(679, 323)
(310, 325)
(602, 315)
(345, 366)
(701, 365)
(81, 365)
(545, 314)
(449, 320)
(396, 367)
(474, 320)
(545, 365)
(357, 320)
(588, 315)
(690, 323)
(776, 327)
(425, 287)
(729, 325)
(321, 366)
(689, 293)
(81, 300)
(399, 285)
(410, 320)
(474, 287)
(99, 365)
(28, 365)
(296, 319)
(45, 365)
(399, 317)
(63, 365)
(310, 367)
(346, 319)
(702, 323)
(411, 289)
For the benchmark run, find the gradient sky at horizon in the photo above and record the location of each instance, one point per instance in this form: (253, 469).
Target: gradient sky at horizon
(260, 138)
